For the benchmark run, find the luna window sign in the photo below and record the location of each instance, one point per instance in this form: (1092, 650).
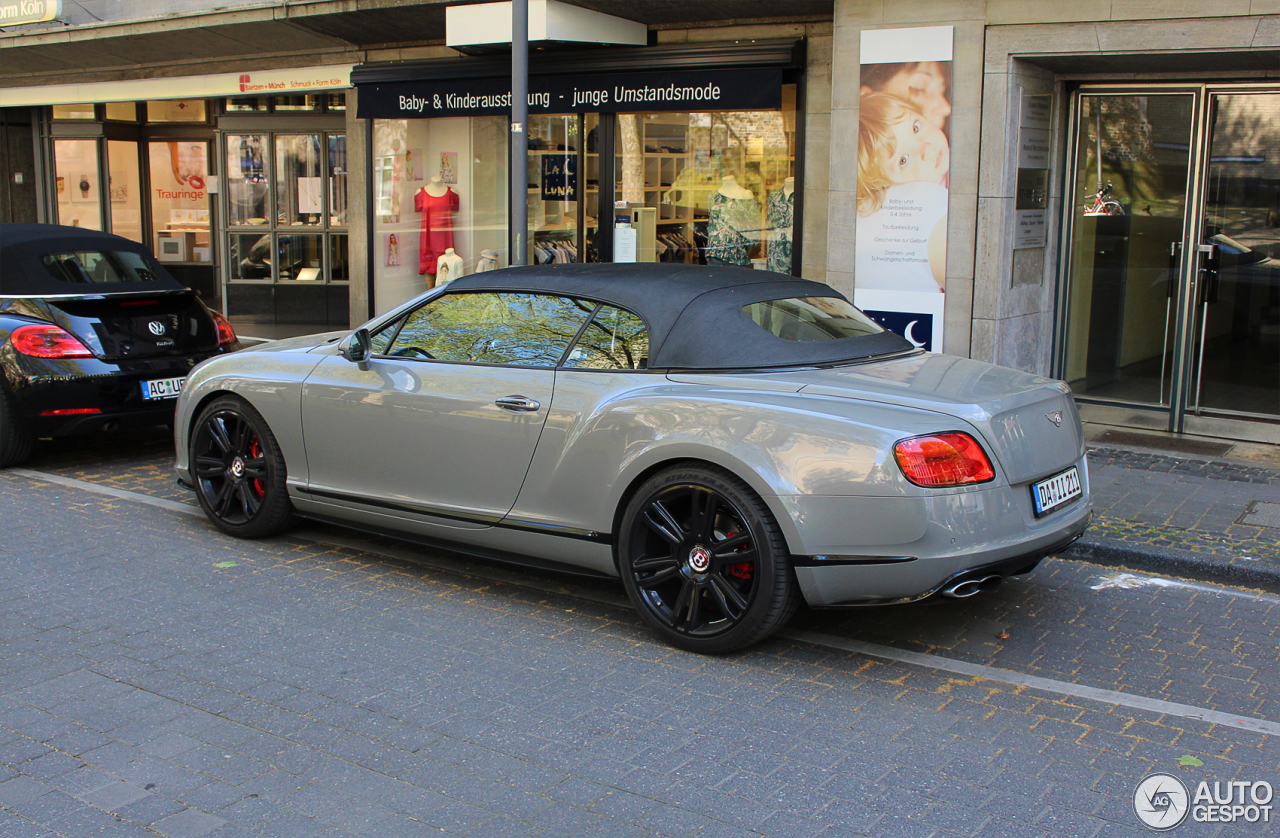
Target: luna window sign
(904, 162)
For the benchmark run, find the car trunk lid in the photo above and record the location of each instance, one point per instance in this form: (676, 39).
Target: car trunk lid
(141, 324)
(1029, 422)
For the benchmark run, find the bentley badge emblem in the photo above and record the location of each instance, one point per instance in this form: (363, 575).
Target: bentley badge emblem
(1055, 418)
(155, 327)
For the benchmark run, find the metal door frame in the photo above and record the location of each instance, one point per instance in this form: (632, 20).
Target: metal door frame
(1177, 406)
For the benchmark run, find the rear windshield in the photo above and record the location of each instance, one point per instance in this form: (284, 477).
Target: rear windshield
(85, 267)
(811, 318)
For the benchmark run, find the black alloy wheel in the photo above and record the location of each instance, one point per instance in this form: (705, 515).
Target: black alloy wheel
(16, 442)
(704, 561)
(239, 471)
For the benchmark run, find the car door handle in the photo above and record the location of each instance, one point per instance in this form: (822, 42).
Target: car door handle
(517, 404)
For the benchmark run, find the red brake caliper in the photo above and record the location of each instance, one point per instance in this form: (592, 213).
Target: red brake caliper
(255, 451)
(742, 570)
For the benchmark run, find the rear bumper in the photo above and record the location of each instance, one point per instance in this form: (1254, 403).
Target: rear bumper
(870, 551)
(116, 394)
(835, 586)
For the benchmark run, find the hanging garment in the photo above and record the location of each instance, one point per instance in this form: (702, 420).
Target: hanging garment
(437, 226)
(780, 209)
(730, 219)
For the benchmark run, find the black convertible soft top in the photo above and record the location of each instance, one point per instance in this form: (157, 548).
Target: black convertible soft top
(694, 313)
(23, 272)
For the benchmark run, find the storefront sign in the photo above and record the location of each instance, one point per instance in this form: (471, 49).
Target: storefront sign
(703, 90)
(252, 83)
(13, 12)
(900, 258)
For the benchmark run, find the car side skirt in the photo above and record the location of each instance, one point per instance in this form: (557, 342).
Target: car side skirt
(454, 515)
(478, 551)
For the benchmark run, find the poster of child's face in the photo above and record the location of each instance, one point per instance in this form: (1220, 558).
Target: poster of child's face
(904, 173)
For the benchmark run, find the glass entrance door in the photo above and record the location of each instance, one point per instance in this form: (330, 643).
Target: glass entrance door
(1236, 329)
(1129, 219)
(1172, 307)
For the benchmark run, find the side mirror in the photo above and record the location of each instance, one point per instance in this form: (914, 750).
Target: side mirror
(358, 348)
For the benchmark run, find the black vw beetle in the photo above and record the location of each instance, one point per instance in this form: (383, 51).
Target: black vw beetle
(94, 335)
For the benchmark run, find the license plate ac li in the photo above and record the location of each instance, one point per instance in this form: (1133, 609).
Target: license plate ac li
(163, 388)
(1062, 488)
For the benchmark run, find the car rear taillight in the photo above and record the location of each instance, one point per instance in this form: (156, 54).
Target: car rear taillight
(950, 459)
(47, 341)
(226, 334)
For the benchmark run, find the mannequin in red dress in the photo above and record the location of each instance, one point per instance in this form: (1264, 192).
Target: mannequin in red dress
(437, 203)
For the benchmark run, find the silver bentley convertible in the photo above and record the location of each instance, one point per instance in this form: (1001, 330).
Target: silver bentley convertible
(724, 441)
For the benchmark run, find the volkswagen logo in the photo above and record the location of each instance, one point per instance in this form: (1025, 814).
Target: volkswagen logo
(155, 327)
(1055, 418)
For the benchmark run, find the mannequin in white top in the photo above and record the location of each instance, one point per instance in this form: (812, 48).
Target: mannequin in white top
(435, 188)
(448, 267)
(488, 261)
(730, 188)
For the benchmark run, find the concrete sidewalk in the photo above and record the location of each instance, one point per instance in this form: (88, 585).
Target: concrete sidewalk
(1214, 519)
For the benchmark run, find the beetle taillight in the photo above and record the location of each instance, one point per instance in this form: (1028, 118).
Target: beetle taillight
(226, 334)
(47, 341)
(948, 459)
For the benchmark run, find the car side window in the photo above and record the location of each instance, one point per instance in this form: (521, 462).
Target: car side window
(615, 339)
(512, 329)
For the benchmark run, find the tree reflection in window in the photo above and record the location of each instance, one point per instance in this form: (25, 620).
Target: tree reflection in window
(526, 330)
(614, 340)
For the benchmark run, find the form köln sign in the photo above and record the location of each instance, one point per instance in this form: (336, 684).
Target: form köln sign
(29, 11)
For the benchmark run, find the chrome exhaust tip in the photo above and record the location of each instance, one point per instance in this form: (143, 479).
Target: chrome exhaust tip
(968, 587)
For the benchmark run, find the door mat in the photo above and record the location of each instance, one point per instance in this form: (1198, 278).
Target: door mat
(1175, 444)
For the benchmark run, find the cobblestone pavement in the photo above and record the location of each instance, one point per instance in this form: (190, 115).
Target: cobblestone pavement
(157, 678)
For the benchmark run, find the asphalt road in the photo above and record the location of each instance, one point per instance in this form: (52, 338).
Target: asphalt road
(158, 678)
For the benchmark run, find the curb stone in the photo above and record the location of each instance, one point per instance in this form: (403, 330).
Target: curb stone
(1173, 561)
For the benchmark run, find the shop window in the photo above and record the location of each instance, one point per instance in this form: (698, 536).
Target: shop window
(439, 185)
(308, 102)
(336, 101)
(339, 262)
(177, 110)
(299, 185)
(74, 112)
(338, 180)
(247, 104)
(721, 184)
(122, 111)
(248, 188)
(564, 190)
(78, 187)
(125, 189)
(250, 256)
(285, 192)
(180, 200)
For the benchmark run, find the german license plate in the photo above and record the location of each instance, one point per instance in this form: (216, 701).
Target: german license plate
(1048, 495)
(163, 388)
